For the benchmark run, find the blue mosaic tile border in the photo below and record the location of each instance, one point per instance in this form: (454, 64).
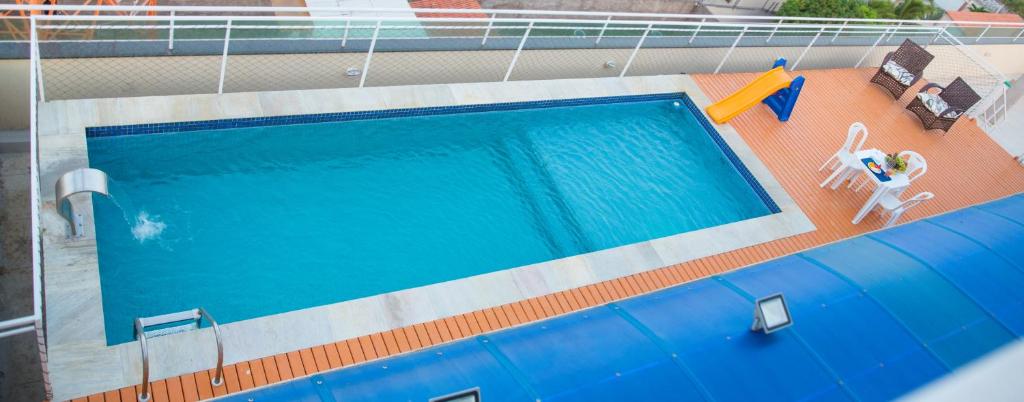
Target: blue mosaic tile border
(161, 128)
(736, 162)
(179, 127)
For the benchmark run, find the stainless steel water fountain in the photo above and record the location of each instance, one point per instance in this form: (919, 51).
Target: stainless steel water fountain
(78, 181)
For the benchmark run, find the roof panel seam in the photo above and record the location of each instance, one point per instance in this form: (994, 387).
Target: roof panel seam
(505, 363)
(975, 241)
(913, 335)
(986, 210)
(664, 347)
(946, 279)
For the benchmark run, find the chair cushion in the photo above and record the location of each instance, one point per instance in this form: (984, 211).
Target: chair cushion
(937, 105)
(898, 72)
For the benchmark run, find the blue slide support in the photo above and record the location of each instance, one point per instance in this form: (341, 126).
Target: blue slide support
(783, 101)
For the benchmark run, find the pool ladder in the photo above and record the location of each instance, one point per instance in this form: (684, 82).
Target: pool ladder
(78, 181)
(186, 321)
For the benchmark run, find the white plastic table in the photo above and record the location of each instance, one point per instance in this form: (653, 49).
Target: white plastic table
(895, 186)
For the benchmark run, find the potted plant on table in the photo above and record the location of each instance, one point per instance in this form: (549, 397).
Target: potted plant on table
(894, 163)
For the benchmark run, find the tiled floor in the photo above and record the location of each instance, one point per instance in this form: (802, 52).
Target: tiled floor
(965, 168)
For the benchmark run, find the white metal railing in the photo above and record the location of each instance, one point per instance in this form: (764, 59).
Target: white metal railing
(482, 29)
(369, 31)
(1008, 31)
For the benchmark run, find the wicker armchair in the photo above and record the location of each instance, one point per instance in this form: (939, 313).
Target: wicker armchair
(957, 94)
(910, 56)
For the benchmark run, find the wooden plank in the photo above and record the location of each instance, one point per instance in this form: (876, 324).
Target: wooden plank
(355, 346)
(308, 361)
(284, 367)
(128, 394)
(271, 370)
(453, 328)
(259, 374)
(295, 364)
(189, 390)
(174, 391)
(245, 376)
(390, 342)
(231, 382)
(203, 385)
(366, 344)
(218, 390)
(320, 358)
(333, 358)
(345, 353)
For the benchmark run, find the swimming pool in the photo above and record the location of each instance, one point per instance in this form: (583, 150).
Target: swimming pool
(280, 214)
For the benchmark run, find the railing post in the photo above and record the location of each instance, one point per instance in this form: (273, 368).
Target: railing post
(806, 49)
(38, 67)
(840, 30)
(603, 28)
(519, 49)
(774, 30)
(983, 32)
(894, 31)
(224, 58)
(731, 48)
(877, 41)
(344, 38)
(696, 31)
(635, 50)
(934, 38)
(490, 24)
(369, 55)
(170, 35)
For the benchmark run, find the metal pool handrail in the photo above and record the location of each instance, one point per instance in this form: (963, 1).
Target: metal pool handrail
(194, 315)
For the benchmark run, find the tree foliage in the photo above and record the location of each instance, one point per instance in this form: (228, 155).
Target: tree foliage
(1016, 6)
(907, 9)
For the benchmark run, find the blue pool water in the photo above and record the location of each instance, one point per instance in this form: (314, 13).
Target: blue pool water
(254, 221)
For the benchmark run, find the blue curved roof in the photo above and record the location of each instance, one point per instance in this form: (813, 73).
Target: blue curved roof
(875, 317)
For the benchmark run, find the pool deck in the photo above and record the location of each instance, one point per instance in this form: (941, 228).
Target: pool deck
(966, 168)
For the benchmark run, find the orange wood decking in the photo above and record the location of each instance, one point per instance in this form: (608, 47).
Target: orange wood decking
(965, 167)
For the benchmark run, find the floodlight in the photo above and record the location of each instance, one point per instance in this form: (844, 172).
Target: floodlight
(771, 314)
(469, 395)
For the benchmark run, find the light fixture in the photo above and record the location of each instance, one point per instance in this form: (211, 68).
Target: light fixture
(771, 314)
(469, 395)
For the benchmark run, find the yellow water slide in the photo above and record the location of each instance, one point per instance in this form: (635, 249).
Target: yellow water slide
(762, 87)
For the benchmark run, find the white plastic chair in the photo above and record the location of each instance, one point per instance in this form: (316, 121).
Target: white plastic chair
(891, 205)
(844, 161)
(916, 167)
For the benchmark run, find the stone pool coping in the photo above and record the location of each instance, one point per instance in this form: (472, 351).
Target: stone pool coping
(80, 362)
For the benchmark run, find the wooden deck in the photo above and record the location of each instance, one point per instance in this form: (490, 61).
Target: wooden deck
(965, 168)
